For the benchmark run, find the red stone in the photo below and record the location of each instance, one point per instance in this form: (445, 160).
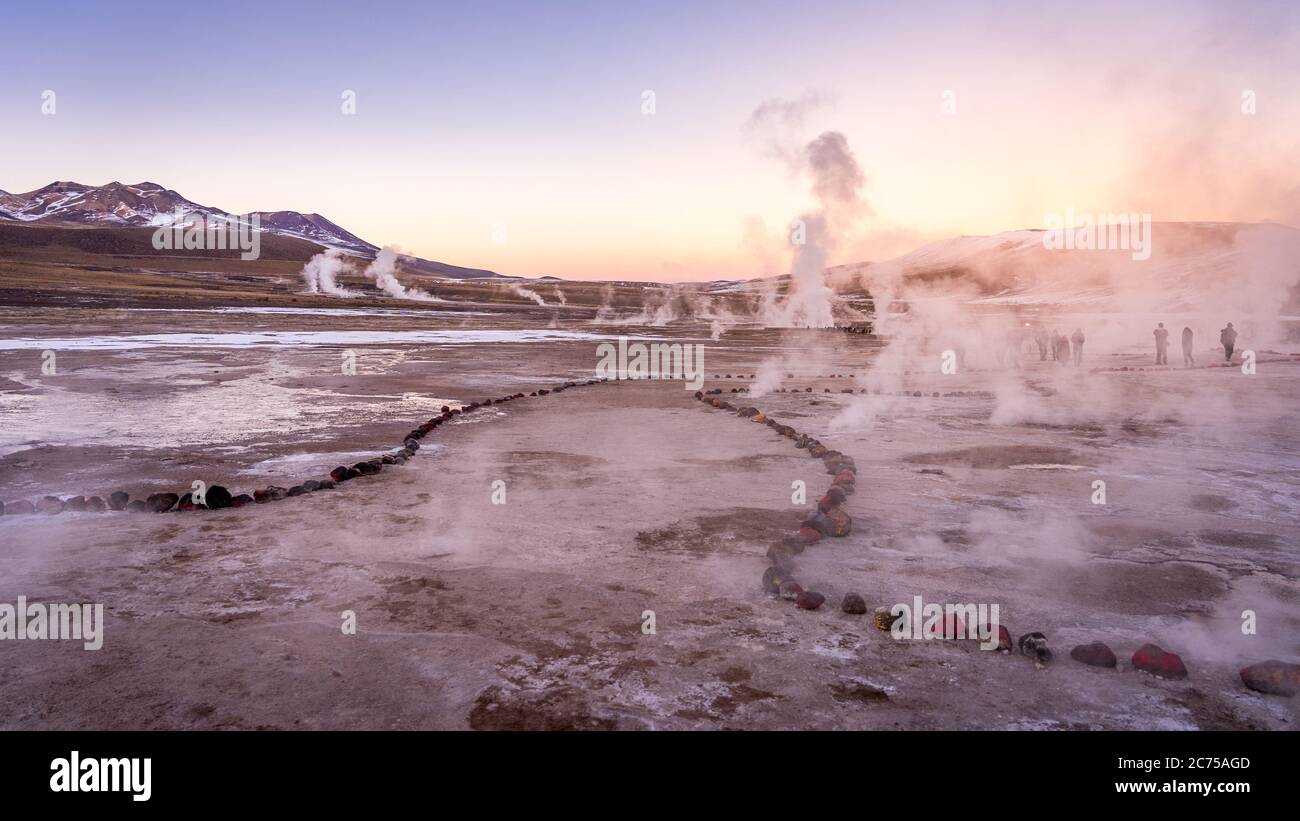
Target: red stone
(1152, 659)
(809, 600)
(1004, 639)
(809, 535)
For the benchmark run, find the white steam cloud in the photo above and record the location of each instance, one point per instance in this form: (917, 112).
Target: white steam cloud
(526, 293)
(323, 271)
(835, 180)
(383, 272)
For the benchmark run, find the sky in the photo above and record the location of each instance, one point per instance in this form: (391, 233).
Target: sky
(516, 136)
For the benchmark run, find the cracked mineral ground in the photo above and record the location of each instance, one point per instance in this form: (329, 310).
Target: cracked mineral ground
(629, 497)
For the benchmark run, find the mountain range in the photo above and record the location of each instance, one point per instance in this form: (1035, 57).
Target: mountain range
(1191, 264)
(150, 205)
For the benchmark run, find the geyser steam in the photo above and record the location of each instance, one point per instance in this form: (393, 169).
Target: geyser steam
(836, 181)
(526, 293)
(383, 271)
(322, 272)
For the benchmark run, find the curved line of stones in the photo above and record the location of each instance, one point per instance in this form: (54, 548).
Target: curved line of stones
(217, 497)
(830, 519)
(1272, 677)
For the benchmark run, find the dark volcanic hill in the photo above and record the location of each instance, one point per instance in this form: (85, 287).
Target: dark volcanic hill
(149, 204)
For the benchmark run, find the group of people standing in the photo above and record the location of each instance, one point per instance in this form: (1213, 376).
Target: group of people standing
(1065, 349)
(1227, 338)
(1062, 348)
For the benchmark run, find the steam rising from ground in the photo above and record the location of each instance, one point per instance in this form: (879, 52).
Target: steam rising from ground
(835, 180)
(323, 271)
(527, 293)
(384, 273)
(661, 305)
(770, 375)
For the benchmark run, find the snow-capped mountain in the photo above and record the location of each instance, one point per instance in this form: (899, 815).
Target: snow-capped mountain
(113, 204)
(149, 204)
(314, 228)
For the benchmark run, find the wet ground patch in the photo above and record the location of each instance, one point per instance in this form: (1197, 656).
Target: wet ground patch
(1210, 503)
(995, 457)
(743, 527)
(1238, 538)
(1137, 588)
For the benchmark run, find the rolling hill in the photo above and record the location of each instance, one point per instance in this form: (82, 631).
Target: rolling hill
(150, 205)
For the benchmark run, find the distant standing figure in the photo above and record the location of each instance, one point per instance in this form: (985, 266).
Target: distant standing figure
(1187, 347)
(1076, 341)
(1162, 343)
(1040, 337)
(1228, 336)
(1061, 344)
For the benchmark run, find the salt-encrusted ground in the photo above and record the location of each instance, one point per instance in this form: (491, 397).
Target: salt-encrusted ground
(623, 498)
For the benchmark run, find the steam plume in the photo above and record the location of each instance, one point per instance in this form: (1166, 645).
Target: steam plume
(384, 273)
(322, 272)
(836, 181)
(526, 293)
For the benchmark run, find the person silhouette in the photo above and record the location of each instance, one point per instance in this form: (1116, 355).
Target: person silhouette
(1187, 347)
(1228, 336)
(1162, 343)
(1076, 342)
(1040, 338)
